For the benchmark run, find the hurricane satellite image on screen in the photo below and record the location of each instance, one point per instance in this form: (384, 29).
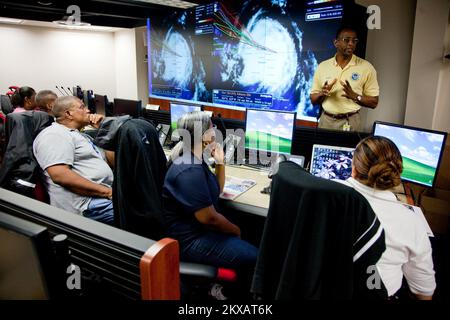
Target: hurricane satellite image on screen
(248, 54)
(332, 162)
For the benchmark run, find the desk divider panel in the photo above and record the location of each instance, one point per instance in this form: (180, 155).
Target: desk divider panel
(109, 258)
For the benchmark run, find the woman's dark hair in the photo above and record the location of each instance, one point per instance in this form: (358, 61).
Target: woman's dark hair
(377, 163)
(18, 98)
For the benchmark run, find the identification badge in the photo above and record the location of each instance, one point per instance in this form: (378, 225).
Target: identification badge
(346, 127)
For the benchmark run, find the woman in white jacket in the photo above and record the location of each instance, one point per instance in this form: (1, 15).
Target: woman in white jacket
(377, 166)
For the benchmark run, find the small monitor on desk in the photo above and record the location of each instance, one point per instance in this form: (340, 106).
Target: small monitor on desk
(270, 131)
(129, 107)
(421, 150)
(176, 112)
(331, 162)
(101, 103)
(26, 260)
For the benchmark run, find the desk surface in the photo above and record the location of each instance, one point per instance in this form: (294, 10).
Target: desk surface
(252, 200)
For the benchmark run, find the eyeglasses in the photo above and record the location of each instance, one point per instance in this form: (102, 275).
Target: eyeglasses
(348, 39)
(210, 134)
(81, 107)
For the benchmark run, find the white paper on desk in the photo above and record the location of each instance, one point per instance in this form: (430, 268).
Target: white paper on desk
(235, 187)
(419, 213)
(153, 107)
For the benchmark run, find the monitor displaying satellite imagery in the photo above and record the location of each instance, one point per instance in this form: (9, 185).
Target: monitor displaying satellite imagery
(243, 54)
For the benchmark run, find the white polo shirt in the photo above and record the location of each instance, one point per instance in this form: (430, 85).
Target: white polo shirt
(408, 248)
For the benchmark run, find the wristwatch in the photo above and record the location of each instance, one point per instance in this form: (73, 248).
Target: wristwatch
(359, 98)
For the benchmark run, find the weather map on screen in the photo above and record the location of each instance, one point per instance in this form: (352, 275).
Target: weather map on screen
(245, 54)
(269, 131)
(421, 150)
(330, 162)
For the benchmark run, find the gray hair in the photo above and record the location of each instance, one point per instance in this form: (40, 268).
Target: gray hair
(43, 96)
(62, 104)
(189, 125)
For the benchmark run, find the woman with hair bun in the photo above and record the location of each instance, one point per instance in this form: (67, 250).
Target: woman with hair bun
(377, 166)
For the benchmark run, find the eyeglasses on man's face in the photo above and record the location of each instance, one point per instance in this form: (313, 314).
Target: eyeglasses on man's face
(348, 39)
(80, 107)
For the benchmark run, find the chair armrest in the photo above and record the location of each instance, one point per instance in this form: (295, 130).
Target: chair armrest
(208, 272)
(197, 270)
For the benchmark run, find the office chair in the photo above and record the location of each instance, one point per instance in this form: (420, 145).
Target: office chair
(140, 169)
(5, 104)
(319, 239)
(20, 171)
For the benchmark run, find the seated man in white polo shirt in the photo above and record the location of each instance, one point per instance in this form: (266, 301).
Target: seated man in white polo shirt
(79, 179)
(344, 84)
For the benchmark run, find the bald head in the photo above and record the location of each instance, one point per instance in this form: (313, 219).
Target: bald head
(62, 104)
(45, 100)
(71, 112)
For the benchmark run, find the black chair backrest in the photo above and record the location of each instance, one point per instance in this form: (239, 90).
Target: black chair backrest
(319, 239)
(5, 104)
(19, 163)
(140, 169)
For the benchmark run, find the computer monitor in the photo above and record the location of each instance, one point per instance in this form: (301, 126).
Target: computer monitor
(178, 110)
(26, 260)
(130, 107)
(89, 100)
(331, 162)
(101, 103)
(421, 150)
(271, 131)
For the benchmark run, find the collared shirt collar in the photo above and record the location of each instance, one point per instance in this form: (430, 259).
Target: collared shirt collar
(351, 63)
(63, 126)
(380, 194)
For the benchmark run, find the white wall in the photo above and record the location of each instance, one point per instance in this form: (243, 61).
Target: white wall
(389, 50)
(142, 66)
(441, 119)
(125, 64)
(44, 57)
(427, 79)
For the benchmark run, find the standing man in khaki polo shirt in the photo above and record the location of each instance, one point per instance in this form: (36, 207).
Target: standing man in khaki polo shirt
(344, 84)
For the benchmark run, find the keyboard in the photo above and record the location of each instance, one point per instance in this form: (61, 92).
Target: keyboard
(259, 166)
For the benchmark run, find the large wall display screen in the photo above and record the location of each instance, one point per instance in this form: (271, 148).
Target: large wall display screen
(243, 54)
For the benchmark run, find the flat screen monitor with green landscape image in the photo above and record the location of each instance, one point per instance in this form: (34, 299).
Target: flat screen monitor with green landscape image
(269, 131)
(421, 150)
(178, 110)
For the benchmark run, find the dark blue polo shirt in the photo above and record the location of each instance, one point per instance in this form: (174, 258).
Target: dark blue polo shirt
(188, 187)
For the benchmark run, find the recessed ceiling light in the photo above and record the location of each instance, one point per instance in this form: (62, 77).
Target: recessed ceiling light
(65, 21)
(89, 28)
(10, 20)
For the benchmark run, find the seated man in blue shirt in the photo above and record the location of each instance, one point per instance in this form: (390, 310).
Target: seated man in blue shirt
(190, 196)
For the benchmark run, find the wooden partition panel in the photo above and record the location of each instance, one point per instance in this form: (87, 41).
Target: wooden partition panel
(160, 271)
(163, 103)
(114, 264)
